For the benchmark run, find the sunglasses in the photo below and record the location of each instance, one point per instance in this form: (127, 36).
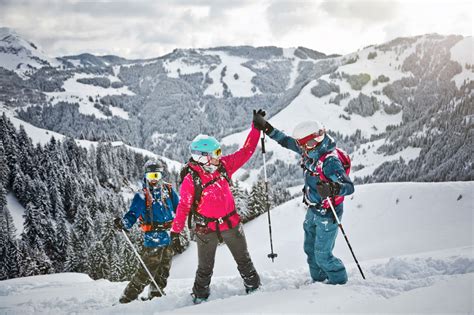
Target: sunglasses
(310, 142)
(153, 176)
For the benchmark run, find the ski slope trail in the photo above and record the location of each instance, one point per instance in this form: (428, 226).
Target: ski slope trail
(414, 242)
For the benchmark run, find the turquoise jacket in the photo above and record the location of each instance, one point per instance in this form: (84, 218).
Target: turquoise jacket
(332, 169)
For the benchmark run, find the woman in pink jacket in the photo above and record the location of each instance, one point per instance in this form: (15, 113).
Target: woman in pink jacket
(206, 197)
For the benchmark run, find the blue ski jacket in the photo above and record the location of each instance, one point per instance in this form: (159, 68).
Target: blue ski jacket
(163, 209)
(332, 169)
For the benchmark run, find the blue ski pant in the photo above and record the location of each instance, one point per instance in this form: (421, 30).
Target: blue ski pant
(319, 239)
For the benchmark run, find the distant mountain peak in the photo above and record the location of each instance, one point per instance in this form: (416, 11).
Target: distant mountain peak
(20, 55)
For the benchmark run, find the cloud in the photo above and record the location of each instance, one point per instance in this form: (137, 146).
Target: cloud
(287, 16)
(365, 11)
(149, 28)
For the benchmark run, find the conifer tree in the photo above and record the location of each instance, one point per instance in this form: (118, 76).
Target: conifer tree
(4, 169)
(99, 262)
(257, 200)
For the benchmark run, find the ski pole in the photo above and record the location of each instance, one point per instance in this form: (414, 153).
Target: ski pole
(272, 255)
(344, 233)
(141, 261)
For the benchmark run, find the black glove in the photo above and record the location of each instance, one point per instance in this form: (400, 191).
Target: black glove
(328, 189)
(176, 243)
(118, 224)
(260, 123)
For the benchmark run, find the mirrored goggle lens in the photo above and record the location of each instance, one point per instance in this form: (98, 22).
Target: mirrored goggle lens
(311, 144)
(203, 159)
(153, 176)
(317, 136)
(215, 154)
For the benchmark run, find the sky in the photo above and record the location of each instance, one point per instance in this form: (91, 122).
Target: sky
(152, 28)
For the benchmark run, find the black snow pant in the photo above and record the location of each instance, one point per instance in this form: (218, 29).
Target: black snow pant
(237, 244)
(158, 262)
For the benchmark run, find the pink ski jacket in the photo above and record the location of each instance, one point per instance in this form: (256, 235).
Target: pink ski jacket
(217, 200)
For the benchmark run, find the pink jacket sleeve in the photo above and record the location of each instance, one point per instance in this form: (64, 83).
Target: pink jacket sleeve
(237, 159)
(186, 199)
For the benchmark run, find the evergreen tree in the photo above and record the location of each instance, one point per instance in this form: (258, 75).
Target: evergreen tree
(241, 198)
(257, 203)
(99, 262)
(62, 244)
(115, 267)
(73, 261)
(4, 169)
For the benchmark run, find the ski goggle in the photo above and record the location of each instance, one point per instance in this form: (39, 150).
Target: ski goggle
(213, 154)
(311, 141)
(153, 176)
(205, 157)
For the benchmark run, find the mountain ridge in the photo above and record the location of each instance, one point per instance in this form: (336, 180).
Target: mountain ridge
(374, 93)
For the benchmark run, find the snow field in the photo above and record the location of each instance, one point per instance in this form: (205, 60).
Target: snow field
(76, 92)
(462, 52)
(417, 254)
(242, 87)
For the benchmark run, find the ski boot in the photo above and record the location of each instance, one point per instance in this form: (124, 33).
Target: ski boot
(198, 300)
(153, 292)
(124, 299)
(250, 290)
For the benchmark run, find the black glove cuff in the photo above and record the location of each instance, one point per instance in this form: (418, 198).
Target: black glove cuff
(268, 128)
(336, 188)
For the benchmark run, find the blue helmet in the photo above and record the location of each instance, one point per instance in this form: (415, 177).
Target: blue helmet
(204, 147)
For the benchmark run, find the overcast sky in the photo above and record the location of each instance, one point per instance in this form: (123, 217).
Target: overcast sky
(151, 28)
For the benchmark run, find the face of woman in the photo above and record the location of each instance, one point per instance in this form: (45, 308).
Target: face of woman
(214, 161)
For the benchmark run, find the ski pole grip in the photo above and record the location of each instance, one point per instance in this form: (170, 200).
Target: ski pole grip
(263, 144)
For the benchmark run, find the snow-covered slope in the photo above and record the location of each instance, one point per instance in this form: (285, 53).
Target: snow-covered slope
(463, 53)
(77, 92)
(374, 61)
(21, 56)
(413, 240)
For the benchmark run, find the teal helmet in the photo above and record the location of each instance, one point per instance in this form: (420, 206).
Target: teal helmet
(204, 147)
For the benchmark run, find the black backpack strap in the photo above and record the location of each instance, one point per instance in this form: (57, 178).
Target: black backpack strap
(198, 188)
(223, 171)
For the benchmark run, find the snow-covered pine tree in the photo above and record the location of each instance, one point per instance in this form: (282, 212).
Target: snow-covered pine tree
(83, 230)
(63, 240)
(99, 261)
(241, 198)
(257, 200)
(8, 252)
(4, 169)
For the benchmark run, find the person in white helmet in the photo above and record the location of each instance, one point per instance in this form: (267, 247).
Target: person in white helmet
(325, 176)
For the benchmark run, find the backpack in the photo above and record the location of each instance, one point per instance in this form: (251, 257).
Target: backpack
(346, 164)
(198, 189)
(154, 226)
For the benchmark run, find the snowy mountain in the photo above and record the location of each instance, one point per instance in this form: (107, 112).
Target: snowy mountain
(385, 104)
(21, 56)
(417, 257)
(403, 110)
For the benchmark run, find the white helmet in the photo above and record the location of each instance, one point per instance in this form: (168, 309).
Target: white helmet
(307, 128)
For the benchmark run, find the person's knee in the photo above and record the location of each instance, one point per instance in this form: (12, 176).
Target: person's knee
(321, 257)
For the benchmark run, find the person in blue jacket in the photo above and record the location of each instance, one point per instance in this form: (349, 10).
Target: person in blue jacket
(154, 206)
(311, 141)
